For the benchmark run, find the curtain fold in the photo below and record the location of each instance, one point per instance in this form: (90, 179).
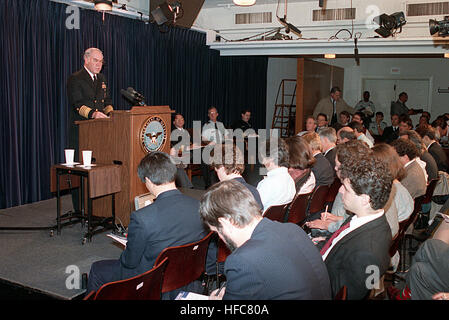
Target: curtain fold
(39, 53)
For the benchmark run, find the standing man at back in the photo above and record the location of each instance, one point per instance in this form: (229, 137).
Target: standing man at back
(332, 105)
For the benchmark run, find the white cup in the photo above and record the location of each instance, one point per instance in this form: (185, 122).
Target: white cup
(69, 155)
(87, 157)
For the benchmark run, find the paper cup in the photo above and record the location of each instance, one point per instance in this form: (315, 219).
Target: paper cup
(69, 155)
(87, 157)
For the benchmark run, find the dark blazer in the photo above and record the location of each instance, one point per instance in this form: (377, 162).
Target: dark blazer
(81, 90)
(330, 156)
(389, 135)
(278, 262)
(439, 155)
(253, 190)
(348, 260)
(323, 171)
(172, 220)
(431, 165)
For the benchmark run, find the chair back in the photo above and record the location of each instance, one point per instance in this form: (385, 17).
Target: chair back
(143, 200)
(276, 213)
(342, 293)
(403, 225)
(298, 209)
(223, 251)
(333, 190)
(146, 286)
(318, 199)
(429, 191)
(186, 263)
(395, 243)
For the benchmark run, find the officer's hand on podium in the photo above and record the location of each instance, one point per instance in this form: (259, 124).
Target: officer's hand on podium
(99, 115)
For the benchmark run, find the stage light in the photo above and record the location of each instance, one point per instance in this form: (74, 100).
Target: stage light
(103, 5)
(389, 24)
(167, 13)
(442, 27)
(244, 3)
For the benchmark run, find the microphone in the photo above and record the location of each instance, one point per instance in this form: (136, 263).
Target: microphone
(133, 96)
(135, 93)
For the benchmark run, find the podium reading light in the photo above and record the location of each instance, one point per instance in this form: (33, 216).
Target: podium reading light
(389, 24)
(442, 27)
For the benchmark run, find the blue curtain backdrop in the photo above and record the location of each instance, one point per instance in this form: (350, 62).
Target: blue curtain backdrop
(38, 53)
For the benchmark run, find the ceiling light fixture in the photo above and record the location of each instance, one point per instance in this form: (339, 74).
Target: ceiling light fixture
(446, 55)
(103, 5)
(330, 55)
(244, 3)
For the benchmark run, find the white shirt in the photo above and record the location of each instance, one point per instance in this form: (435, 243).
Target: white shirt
(363, 138)
(209, 132)
(277, 188)
(356, 222)
(92, 75)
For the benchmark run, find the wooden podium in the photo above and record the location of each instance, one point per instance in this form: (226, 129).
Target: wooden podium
(125, 138)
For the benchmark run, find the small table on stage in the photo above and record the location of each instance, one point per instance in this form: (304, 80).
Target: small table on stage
(101, 180)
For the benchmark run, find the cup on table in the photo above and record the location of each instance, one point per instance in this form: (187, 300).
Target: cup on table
(87, 157)
(69, 155)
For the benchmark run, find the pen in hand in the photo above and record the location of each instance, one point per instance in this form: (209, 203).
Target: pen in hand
(223, 284)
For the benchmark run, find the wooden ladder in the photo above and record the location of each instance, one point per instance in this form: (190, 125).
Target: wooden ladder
(285, 113)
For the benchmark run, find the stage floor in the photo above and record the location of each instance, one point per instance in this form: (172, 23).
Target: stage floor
(36, 261)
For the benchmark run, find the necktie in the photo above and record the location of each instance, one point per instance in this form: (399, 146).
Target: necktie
(334, 113)
(217, 134)
(336, 234)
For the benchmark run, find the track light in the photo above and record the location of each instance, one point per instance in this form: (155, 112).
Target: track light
(442, 27)
(389, 24)
(167, 13)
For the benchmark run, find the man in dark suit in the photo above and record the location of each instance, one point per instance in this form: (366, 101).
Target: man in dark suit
(429, 139)
(328, 138)
(243, 123)
(356, 255)
(171, 220)
(88, 96)
(180, 151)
(269, 260)
(322, 169)
(391, 133)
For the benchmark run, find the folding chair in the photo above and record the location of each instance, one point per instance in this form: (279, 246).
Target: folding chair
(333, 191)
(297, 211)
(318, 199)
(276, 213)
(342, 294)
(146, 286)
(186, 263)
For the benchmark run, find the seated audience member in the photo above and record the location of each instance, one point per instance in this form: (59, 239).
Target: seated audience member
(243, 122)
(424, 121)
(391, 133)
(278, 186)
(269, 260)
(180, 142)
(429, 162)
(229, 165)
(405, 123)
(324, 174)
(428, 275)
(332, 221)
(364, 239)
(358, 117)
(345, 134)
(441, 130)
(378, 125)
(358, 131)
(322, 122)
(171, 220)
(400, 195)
(301, 162)
(428, 137)
(414, 180)
(311, 126)
(344, 119)
(328, 138)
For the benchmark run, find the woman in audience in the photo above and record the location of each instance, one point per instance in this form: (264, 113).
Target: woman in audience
(401, 197)
(300, 164)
